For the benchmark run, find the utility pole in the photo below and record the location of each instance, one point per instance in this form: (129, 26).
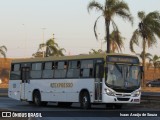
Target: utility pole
(43, 50)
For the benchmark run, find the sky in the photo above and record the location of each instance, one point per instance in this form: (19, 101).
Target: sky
(22, 23)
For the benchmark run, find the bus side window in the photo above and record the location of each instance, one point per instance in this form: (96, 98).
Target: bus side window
(73, 70)
(15, 72)
(36, 71)
(60, 72)
(48, 70)
(87, 68)
(16, 67)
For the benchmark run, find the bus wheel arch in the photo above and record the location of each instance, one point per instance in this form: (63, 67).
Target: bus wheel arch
(36, 96)
(84, 99)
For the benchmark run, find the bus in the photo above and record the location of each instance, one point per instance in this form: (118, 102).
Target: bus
(111, 79)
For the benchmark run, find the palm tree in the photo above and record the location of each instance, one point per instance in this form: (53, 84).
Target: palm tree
(60, 52)
(51, 47)
(3, 50)
(147, 55)
(116, 41)
(110, 9)
(155, 61)
(149, 28)
(38, 54)
(93, 51)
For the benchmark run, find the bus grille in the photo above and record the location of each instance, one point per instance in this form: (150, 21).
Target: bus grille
(123, 99)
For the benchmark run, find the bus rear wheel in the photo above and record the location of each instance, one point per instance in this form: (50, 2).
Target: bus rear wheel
(85, 100)
(37, 98)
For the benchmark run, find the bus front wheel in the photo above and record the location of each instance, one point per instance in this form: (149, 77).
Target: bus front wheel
(85, 100)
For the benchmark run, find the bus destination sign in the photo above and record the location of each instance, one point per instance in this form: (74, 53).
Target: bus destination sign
(123, 59)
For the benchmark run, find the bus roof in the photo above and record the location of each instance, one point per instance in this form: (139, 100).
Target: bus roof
(75, 57)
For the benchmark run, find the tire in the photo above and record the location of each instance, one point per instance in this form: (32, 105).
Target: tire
(37, 98)
(85, 100)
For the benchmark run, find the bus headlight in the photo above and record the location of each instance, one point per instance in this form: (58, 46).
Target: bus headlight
(109, 92)
(136, 93)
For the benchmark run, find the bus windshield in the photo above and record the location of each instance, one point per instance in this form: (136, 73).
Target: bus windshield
(123, 76)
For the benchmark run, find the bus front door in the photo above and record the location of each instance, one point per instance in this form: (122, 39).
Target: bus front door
(25, 81)
(98, 82)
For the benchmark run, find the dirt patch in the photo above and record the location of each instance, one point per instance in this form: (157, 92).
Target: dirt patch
(3, 85)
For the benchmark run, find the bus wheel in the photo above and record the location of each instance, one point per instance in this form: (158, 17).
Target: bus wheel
(37, 98)
(85, 100)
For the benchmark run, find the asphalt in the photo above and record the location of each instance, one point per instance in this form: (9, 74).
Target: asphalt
(3, 92)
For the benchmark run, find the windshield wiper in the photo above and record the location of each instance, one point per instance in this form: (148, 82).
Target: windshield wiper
(118, 68)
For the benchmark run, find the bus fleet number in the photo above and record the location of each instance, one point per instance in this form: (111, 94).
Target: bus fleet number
(61, 85)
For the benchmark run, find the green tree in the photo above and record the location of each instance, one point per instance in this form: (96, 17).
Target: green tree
(116, 41)
(149, 28)
(60, 52)
(147, 56)
(109, 10)
(155, 60)
(93, 51)
(51, 49)
(3, 51)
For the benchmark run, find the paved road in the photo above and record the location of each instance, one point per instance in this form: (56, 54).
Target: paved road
(52, 108)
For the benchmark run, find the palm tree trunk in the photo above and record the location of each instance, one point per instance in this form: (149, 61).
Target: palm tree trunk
(107, 22)
(144, 59)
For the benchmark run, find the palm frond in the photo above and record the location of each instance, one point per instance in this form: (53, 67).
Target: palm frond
(95, 5)
(141, 15)
(41, 46)
(121, 9)
(3, 53)
(95, 27)
(3, 48)
(134, 39)
(115, 27)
